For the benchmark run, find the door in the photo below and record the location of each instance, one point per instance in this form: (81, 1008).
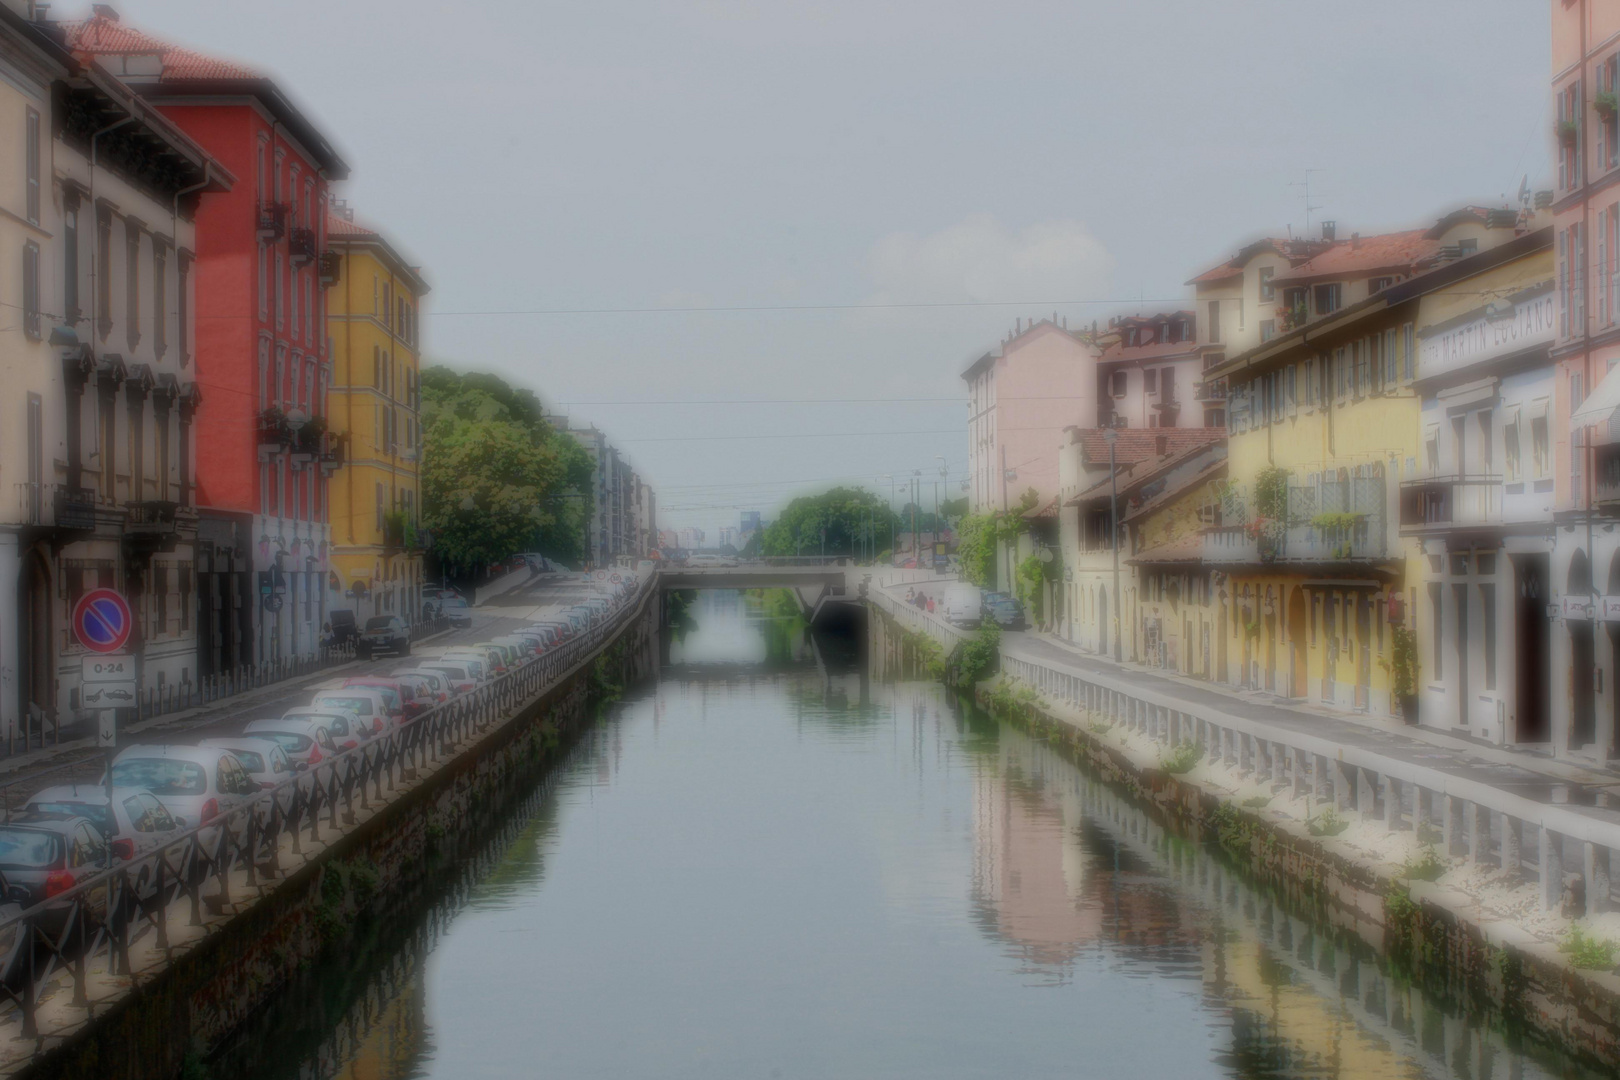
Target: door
(1532, 650)
(38, 690)
(1297, 632)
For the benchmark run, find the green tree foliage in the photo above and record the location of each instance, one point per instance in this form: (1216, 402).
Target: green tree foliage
(496, 478)
(1032, 575)
(848, 515)
(979, 535)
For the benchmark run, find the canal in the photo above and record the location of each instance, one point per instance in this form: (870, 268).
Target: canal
(781, 861)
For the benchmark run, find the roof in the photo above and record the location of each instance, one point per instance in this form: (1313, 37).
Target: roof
(1212, 469)
(1119, 351)
(158, 68)
(1141, 444)
(1186, 549)
(1363, 255)
(1047, 510)
(342, 229)
(1293, 250)
(1144, 471)
(1011, 342)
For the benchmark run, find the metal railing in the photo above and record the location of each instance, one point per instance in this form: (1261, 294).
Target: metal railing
(103, 915)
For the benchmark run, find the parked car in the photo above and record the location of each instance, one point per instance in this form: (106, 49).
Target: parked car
(426, 688)
(492, 659)
(45, 855)
(527, 645)
(456, 610)
(264, 759)
(409, 705)
(347, 727)
(384, 633)
(137, 823)
(963, 604)
(1005, 613)
(369, 705)
(194, 783)
(461, 676)
(344, 628)
(306, 740)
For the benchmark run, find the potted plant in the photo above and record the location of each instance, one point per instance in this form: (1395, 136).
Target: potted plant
(1568, 132)
(1606, 104)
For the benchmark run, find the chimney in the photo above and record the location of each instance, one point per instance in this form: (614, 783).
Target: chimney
(1161, 445)
(1355, 241)
(1328, 230)
(1018, 327)
(104, 11)
(42, 13)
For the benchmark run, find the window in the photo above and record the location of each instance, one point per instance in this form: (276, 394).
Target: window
(264, 283)
(30, 276)
(1312, 394)
(1392, 372)
(375, 292)
(132, 283)
(280, 293)
(31, 158)
(1327, 298)
(1290, 374)
(292, 300)
(1577, 390)
(183, 307)
(160, 299)
(1268, 329)
(103, 272)
(380, 507)
(1150, 381)
(70, 262)
(1540, 457)
(1408, 351)
(1240, 314)
(1569, 136)
(1267, 291)
(1117, 383)
(1214, 321)
(1512, 467)
(1378, 284)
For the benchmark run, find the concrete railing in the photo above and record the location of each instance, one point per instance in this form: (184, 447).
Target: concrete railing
(1475, 820)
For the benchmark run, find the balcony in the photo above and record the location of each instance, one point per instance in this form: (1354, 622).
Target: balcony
(1228, 544)
(1334, 521)
(1438, 503)
(151, 526)
(1606, 478)
(274, 433)
(272, 222)
(331, 455)
(55, 506)
(302, 247)
(331, 268)
(1210, 390)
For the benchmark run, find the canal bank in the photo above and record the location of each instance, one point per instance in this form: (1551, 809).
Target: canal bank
(201, 979)
(1331, 845)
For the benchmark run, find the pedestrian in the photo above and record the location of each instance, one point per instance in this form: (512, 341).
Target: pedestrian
(930, 605)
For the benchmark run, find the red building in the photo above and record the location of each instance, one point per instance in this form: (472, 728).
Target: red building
(263, 458)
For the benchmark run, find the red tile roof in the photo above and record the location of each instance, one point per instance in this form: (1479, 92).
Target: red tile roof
(1292, 249)
(339, 226)
(103, 36)
(1404, 251)
(1141, 444)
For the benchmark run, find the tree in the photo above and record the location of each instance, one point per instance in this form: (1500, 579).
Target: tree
(496, 478)
(851, 518)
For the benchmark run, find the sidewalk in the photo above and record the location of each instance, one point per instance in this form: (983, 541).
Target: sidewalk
(1531, 776)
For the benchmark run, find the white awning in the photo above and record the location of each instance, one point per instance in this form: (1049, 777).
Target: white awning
(1600, 405)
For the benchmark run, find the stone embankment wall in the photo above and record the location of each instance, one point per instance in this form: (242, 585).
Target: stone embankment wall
(1512, 979)
(207, 992)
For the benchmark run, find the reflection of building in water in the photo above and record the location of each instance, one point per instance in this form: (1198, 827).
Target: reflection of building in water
(393, 1046)
(1029, 868)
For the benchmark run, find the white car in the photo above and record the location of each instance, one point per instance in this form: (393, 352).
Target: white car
(347, 728)
(194, 783)
(264, 759)
(437, 681)
(369, 705)
(307, 741)
(459, 676)
(138, 823)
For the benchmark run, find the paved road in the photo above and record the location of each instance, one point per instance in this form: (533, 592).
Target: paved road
(79, 760)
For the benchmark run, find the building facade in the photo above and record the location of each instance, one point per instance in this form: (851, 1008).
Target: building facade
(374, 430)
(1148, 374)
(260, 293)
(100, 229)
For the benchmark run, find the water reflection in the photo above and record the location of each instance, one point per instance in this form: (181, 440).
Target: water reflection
(772, 865)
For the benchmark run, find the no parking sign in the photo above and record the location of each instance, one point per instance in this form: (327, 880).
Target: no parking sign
(102, 621)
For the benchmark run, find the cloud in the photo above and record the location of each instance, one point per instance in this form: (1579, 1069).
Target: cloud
(980, 259)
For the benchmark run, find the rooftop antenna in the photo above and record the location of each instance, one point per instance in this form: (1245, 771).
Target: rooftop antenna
(1306, 184)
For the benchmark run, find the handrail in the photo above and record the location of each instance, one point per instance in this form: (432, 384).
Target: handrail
(105, 912)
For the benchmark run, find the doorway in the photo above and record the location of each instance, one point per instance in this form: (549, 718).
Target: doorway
(1532, 650)
(1582, 657)
(37, 694)
(1298, 679)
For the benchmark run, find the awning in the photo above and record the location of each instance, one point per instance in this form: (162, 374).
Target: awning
(1600, 405)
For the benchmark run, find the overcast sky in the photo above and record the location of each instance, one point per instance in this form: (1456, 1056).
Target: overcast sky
(1082, 157)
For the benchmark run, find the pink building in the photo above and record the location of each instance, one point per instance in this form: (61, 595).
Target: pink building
(1020, 397)
(1584, 586)
(1149, 374)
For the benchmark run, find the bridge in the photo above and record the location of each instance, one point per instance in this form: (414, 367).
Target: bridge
(818, 585)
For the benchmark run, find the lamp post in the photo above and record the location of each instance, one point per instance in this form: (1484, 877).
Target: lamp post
(1112, 436)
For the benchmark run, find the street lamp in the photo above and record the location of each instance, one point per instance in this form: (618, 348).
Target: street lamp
(1112, 437)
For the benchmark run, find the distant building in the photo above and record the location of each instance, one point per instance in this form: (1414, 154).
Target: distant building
(730, 537)
(668, 539)
(692, 539)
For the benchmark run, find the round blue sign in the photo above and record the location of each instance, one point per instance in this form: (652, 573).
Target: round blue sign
(102, 621)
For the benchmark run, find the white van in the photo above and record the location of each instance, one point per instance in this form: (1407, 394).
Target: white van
(963, 604)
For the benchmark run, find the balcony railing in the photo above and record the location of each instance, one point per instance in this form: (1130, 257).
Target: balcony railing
(1440, 502)
(1330, 521)
(1606, 477)
(1231, 544)
(302, 247)
(331, 268)
(1210, 390)
(56, 506)
(272, 221)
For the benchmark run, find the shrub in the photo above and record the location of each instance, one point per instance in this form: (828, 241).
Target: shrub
(1586, 951)
(1257, 802)
(1181, 759)
(1327, 823)
(978, 654)
(1426, 866)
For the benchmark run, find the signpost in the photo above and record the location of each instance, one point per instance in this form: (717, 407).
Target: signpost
(110, 678)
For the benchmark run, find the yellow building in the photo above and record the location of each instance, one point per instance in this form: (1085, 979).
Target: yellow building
(1311, 570)
(1178, 624)
(373, 405)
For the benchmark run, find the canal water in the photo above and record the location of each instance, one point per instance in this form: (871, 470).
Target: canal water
(774, 863)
